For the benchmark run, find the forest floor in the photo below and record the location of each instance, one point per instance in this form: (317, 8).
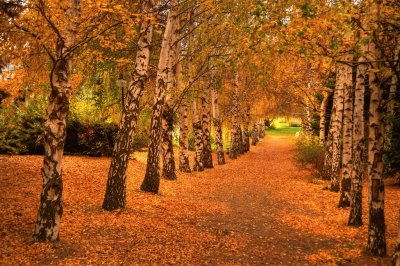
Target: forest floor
(256, 210)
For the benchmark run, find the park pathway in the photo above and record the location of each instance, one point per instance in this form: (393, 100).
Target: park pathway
(261, 209)
(278, 213)
(266, 195)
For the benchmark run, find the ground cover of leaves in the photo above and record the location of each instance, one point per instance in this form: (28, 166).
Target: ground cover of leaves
(259, 209)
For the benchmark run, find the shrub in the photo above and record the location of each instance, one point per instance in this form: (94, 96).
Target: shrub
(391, 156)
(95, 139)
(21, 132)
(310, 154)
(295, 123)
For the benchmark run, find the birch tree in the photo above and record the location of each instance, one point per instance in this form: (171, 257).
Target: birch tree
(322, 116)
(184, 164)
(217, 128)
(206, 126)
(347, 153)
(51, 198)
(376, 226)
(151, 180)
(235, 137)
(334, 143)
(115, 196)
(198, 138)
(357, 171)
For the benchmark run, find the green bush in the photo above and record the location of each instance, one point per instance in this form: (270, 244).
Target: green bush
(310, 154)
(21, 132)
(391, 156)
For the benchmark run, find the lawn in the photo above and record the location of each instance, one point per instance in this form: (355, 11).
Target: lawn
(281, 128)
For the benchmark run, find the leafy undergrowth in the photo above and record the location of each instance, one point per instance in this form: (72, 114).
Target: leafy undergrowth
(258, 209)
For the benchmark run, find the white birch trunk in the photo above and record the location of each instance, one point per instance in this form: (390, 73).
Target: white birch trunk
(332, 155)
(151, 180)
(357, 172)
(235, 138)
(218, 129)
(376, 227)
(347, 154)
(47, 227)
(115, 197)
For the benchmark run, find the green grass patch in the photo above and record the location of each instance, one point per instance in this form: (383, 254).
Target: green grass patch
(282, 129)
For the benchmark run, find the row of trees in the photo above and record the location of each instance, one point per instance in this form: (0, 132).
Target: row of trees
(220, 64)
(189, 70)
(359, 130)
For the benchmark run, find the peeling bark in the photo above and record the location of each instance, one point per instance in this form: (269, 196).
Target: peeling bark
(357, 171)
(115, 196)
(151, 180)
(332, 155)
(47, 227)
(347, 154)
(376, 227)
(167, 145)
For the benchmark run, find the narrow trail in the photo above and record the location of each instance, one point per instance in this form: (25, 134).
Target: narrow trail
(263, 189)
(260, 209)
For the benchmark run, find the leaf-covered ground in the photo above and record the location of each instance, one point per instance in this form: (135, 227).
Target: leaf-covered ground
(259, 209)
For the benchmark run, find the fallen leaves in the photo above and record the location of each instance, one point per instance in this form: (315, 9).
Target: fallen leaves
(257, 209)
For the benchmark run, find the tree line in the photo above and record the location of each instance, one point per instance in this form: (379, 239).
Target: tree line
(202, 65)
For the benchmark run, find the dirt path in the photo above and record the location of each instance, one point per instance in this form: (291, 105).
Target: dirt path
(256, 210)
(264, 191)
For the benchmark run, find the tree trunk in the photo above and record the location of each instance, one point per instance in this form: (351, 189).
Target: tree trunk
(357, 172)
(322, 117)
(167, 145)
(235, 138)
(218, 129)
(51, 199)
(347, 154)
(151, 180)
(246, 122)
(115, 196)
(241, 143)
(334, 143)
(206, 112)
(198, 139)
(260, 130)
(184, 165)
(168, 109)
(50, 211)
(307, 119)
(376, 228)
(254, 134)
